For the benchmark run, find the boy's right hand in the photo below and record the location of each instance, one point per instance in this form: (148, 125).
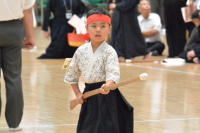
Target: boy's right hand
(102, 91)
(79, 98)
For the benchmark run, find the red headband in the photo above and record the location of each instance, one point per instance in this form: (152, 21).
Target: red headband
(98, 17)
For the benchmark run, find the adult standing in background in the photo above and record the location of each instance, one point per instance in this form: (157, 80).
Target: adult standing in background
(126, 36)
(57, 27)
(157, 7)
(175, 26)
(11, 41)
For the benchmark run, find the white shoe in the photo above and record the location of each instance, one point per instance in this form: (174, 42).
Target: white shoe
(15, 129)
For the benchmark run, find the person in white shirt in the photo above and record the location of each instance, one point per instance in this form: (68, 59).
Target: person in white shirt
(150, 26)
(194, 3)
(12, 13)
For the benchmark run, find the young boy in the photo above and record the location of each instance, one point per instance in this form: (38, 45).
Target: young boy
(192, 53)
(97, 62)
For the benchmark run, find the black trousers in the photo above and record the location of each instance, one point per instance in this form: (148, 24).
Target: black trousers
(175, 30)
(11, 38)
(189, 26)
(159, 46)
(157, 7)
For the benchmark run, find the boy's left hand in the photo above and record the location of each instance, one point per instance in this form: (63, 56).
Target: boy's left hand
(104, 91)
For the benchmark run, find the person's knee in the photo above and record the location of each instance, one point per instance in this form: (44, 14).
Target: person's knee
(162, 45)
(162, 48)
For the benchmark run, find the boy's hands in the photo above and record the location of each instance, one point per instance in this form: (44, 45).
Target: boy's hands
(104, 91)
(79, 98)
(78, 94)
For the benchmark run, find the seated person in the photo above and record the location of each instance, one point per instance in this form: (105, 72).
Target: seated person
(193, 37)
(192, 52)
(150, 25)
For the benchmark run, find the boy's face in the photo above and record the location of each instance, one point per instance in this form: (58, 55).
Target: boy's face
(196, 22)
(98, 31)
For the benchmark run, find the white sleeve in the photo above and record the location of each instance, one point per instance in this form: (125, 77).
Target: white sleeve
(112, 66)
(28, 4)
(73, 73)
(157, 23)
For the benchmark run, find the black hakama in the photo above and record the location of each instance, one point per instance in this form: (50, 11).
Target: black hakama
(126, 37)
(109, 113)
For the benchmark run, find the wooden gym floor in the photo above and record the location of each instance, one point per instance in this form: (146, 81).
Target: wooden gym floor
(168, 102)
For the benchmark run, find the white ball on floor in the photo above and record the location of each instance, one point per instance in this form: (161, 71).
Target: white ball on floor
(128, 60)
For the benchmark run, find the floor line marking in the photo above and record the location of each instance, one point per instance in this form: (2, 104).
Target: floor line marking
(27, 67)
(139, 66)
(162, 69)
(169, 120)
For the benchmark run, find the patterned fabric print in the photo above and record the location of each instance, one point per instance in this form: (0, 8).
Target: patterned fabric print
(105, 67)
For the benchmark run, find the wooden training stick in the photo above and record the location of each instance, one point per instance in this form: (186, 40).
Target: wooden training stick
(143, 76)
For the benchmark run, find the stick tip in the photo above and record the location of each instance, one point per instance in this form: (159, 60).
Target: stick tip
(143, 76)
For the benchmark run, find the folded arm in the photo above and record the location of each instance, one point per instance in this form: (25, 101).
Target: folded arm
(149, 33)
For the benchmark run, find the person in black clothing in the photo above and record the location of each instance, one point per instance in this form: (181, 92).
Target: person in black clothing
(126, 36)
(157, 7)
(175, 26)
(192, 53)
(59, 47)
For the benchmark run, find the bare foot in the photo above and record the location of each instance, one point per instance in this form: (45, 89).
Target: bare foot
(43, 52)
(196, 60)
(147, 56)
(121, 59)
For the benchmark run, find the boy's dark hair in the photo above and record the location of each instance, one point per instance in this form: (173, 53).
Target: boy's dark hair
(98, 10)
(195, 15)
